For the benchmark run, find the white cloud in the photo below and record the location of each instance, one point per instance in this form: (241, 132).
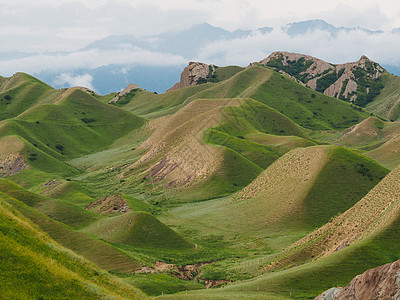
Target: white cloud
(347, 46)
(68, 25)
(70, 80)
(90, 59)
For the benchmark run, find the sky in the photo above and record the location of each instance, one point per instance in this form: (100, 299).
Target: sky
(65, 25)
(49, 26)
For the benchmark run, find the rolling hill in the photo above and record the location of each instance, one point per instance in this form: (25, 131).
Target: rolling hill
(253, 181)
(41, 267)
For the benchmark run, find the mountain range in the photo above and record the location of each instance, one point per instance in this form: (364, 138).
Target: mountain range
(278, 180)
(153, 62)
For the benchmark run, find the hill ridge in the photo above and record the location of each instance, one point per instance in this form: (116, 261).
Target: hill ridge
(356, 82)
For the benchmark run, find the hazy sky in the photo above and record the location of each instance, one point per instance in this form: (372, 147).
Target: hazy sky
(44, 26)
(60, 25)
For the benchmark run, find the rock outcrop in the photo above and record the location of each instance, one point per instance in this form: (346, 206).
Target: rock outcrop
(126, 91)
(354, 82)
(193, 74)
(108, 205)
(379, 283)
(12, 164)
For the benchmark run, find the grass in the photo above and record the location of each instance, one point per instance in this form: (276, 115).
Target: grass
(386, 103)
(41, 268)
(50, 125)
(161, 284)
(23, 92)
(334, 192)
(59, 210)
(140, 230)
(260, 183)
(261, 155)
(101, 253)
(306, 107)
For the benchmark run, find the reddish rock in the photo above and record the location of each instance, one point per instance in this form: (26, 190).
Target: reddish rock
(379, 283)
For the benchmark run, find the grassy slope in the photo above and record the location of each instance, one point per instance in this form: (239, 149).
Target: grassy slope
(140, 230)
(328, 176)
(375, 138)
(370, 229)
(386, 104)
(80, 124)
(304, 106)
(101, 253)
(24, 91)
(238, 161)
(297, 193)
(41, 268)
(150, 105)
(59, 210)
(309, 280)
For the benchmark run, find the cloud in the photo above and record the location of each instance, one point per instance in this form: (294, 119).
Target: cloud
(347, 46)
(90, 59)
(70, 80)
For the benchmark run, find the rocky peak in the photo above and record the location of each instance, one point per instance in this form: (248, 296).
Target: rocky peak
(356, 82)
(379, 283)
(126, 91)
(195, 73)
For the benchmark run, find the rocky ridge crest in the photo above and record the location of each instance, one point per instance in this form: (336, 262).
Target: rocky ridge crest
(193, 74)
(356, 82)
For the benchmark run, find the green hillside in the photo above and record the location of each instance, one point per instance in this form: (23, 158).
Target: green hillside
(138, 229)
(246, 185)
(42, 268)
(304, 106)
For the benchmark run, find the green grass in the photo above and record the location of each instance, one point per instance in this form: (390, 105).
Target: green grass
(309, 280)
(101, 253)
(41, 268)
(140, 230)
(83, 145)
(158, 284)
(386, 104)
(254, 117)
(48, 126)
(224, 73)
(334, 190)
(261, 155)
(24, 92)
(59, 210)
(306, 107)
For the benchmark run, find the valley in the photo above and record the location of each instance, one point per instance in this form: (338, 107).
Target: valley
(275, 181)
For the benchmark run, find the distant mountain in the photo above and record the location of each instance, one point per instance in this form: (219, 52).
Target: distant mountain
(153, 77)
(396, 30)
(303, 27)
(185, 43)
(152, 62)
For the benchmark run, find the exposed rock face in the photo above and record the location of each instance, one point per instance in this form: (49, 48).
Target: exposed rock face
(12, 164)
(188, 272)
(354, 82)
(112, 204)
(379, 283)
(126, 91)
(193, 74)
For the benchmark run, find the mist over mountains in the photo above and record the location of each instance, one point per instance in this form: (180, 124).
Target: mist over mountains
(154, 62)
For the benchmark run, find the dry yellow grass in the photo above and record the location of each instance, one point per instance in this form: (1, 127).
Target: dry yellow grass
(375, 212)
(278, 192)
(175, 151)
(388, 153)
